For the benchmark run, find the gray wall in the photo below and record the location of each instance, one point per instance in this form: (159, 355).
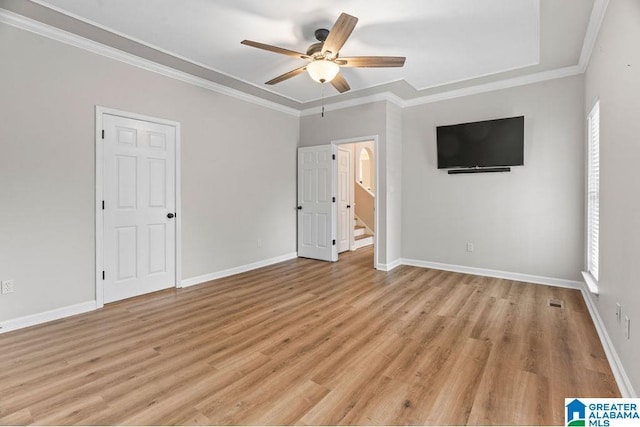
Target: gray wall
(393, 170)
(527, 221)
(238, 170)
(613, 76)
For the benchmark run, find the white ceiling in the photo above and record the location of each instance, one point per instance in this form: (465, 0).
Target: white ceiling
(444, 41)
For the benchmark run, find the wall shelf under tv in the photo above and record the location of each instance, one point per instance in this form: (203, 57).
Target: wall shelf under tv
(477, 170)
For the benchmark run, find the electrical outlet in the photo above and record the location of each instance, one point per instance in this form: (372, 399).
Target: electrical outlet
(469, 247)
(618, 313)
(7, 286)
(627, 327)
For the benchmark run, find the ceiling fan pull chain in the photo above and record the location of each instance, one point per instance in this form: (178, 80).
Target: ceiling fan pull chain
(322, 98)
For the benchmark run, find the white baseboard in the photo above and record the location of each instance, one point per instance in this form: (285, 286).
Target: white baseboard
(47, 316)
(59, 313)
(541, 280)
(624, 384)
(236, 270)
(390, 266)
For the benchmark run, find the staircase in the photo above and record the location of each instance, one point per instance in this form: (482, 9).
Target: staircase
(362, 236)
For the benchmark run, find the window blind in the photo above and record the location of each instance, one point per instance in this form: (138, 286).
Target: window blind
(593, 193)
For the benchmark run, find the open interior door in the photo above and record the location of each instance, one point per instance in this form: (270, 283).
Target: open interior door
(345, 191)
(317, 203)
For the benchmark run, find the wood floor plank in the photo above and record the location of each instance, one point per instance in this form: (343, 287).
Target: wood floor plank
(307, 342)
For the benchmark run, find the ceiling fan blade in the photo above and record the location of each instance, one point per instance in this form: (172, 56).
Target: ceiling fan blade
(340, 83)
(371, 61)
(287, 76)
(275, 49)
(339, 34)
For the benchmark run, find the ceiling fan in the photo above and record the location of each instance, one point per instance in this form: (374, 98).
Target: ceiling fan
(324, 60)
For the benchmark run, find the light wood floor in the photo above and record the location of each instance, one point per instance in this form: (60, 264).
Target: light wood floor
(307, 342)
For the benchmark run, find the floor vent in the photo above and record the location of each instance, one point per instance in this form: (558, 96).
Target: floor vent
(557, 303)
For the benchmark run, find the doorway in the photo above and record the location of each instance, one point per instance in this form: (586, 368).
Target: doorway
(358, 195)
(319, 173)
(137, 205)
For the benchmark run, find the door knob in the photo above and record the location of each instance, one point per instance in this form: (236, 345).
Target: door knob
(170, 215)
(299, 208)
(348, 206)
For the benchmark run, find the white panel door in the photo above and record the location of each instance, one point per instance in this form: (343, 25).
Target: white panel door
(316, 203)
(345, 216)
(139, 207)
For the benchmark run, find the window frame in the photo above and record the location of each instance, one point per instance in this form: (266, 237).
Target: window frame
(592, 275)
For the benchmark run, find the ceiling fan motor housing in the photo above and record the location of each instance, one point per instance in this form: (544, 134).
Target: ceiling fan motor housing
(315, 49)
(321, 34)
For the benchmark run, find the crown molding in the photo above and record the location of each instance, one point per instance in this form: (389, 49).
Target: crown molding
(156, 48)
(62, 36)
(597, 16)
(595, 21)
(493, 86)
(383, 96)
(458, 93)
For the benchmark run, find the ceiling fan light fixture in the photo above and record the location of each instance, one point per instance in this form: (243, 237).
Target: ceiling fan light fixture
(322, 71)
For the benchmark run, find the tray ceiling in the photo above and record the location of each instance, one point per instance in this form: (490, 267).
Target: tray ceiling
(445, 41)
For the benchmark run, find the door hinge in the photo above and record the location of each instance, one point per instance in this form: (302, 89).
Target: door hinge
(334, 242)
(103, 205)
(102, 274)
(333, 156)
(102, 133)
(333, 199)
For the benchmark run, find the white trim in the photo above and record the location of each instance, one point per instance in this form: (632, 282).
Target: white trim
(46, 316)
(99, 179)
(154, 47)
(493, 86)
(339, 105)
(36, 27)
(99, 220)
(199, 64)
(376, 156)
(59, 35)
(592, 188)
(595, 21)
(521, 277)
(391, 265)
(236, 270)
(621, 377)
(452, 94)
(623, 381)
(178, 200)
(591, 283)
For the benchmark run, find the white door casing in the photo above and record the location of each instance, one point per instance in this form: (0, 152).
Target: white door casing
(344, 204)
(316, 203)
(139, 181)
(374, 139)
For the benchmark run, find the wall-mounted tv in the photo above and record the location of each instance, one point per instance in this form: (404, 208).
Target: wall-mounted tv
(486, 144)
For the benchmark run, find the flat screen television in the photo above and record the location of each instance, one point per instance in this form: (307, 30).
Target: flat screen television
(490, 143)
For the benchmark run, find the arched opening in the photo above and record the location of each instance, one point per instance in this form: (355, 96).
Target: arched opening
(366, 169)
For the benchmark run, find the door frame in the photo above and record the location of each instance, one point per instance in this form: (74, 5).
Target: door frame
(376, 155)
(99, 180)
